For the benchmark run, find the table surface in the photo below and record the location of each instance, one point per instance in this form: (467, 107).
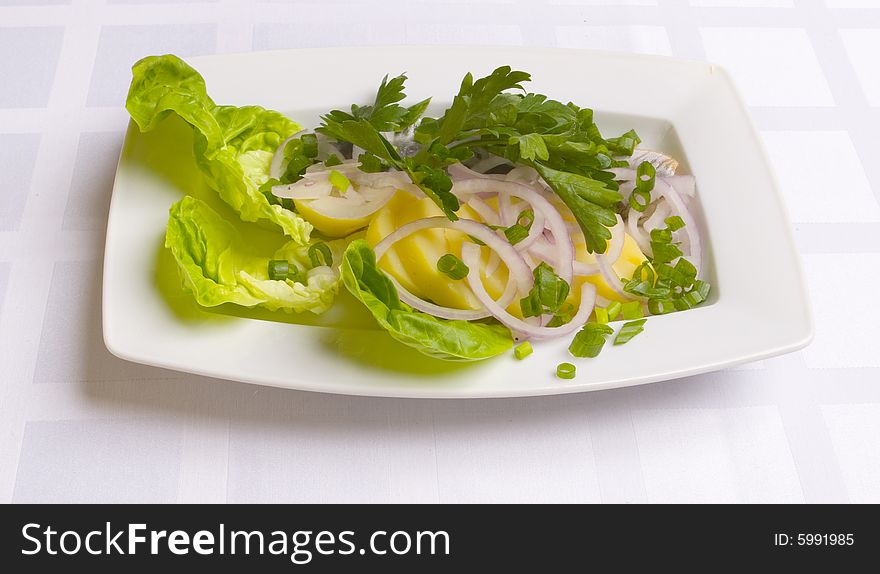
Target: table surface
(78, 425)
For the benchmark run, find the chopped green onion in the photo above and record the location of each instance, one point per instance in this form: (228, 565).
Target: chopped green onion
(552, 289)
(332, 160)
(683, 274)
(339, 181)
(632, 310)
(516, 233)
(565, 371)
(702, 287)
(661, 236)
(563, 316)
(320, 254)
(665, 252)
(530, 305)
(624, 144)
(645, 289)
(526, 217)
(519, 230)
(278, 269)
(674, 223)
(589, 340)
(697, 294)
(309, 145)
(452, 266)
(639, 200)
(523, 350)
(693, 298)
(601, 315)
(475, 240)
(645, 176)
(644, 272)
(628, 331)
(547, 295)
(682, 304)
(660, 306)
(641, 195)
(614, 310)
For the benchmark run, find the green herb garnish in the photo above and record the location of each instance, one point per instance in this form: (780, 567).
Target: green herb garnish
(589, 340)
(452, 266)
(628, 331)
(565, 371)
(523, 350)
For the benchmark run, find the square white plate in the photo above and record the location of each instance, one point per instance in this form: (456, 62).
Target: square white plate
(758, 308)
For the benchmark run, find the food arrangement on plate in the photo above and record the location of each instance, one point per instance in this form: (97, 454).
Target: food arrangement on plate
(506, 220)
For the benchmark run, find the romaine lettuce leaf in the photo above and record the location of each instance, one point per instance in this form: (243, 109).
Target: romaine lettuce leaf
(440, 338)
(219, 266)
(233, 146)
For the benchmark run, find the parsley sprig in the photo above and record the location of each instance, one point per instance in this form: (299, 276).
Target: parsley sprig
(560, 141)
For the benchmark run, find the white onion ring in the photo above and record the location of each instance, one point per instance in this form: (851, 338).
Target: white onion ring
(582, 269)
(523, 174)
(690, 225)
(461, 172)
(611, 255)
(544, 250)
(303, 189)
(505, 209)
(626, 189)
(318, 170)
(483, 210)
(519, 279)
(641, 238)
(539, 222)
(623, 173)
(657, 219)
(471, 256)
(554, 221)
(516, 265)
(450, 312)
(491, 218)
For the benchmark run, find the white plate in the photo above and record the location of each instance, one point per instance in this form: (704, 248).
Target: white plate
(691, 109)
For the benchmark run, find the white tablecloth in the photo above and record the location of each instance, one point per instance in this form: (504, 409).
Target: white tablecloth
(77, 424)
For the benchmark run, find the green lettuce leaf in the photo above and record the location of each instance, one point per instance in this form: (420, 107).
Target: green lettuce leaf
(233, 146)
(217, 265)
(440, 338)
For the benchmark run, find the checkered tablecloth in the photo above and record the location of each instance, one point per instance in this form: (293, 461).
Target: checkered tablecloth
(77, 424)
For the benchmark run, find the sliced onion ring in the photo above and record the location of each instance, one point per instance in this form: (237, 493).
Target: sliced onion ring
(554, 221)
(546, 251)
(656, 220)
(471, 256)
(632, 226)
(690, 225)
(449, 312)
(607, 259)
(518, 281)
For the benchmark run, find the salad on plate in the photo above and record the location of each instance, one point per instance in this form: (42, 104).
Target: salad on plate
(506, 220)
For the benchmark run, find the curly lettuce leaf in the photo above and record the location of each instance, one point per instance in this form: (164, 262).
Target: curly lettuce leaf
(439, 338)
(233, 146)
(218, 267)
